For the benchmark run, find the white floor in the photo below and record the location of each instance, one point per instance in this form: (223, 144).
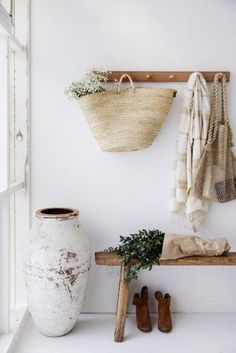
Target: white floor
(192, 333)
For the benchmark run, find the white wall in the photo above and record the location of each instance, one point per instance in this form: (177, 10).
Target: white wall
(119, 193)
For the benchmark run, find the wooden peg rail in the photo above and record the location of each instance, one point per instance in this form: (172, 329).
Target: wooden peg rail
(111, 259)
(163, 76)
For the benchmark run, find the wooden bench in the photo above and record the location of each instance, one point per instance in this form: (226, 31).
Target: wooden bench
(112, 259)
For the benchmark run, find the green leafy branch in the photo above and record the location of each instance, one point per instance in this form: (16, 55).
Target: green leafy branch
(144, 246)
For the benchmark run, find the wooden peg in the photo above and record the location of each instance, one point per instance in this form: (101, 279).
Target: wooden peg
(171, 76)
(148, 76)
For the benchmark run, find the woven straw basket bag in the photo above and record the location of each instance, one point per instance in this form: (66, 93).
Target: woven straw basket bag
(129, 119)
(215, 177)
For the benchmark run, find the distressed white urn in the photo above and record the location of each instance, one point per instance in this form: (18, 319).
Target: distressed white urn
(56, 266)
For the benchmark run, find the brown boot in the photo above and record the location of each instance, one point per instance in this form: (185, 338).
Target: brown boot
(142, 311)
(164, 318)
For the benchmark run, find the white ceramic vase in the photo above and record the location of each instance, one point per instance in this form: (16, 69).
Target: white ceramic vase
(56, 266)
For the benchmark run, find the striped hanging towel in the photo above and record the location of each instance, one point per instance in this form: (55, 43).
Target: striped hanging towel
(191, 141)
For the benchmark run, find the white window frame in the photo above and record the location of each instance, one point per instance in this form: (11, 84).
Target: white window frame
(6, 19)
(10, 41)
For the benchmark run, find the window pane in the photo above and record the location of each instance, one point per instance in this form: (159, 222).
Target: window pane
(12, 247)
(17, 116)
(12, 127)
(5, 265)
(21, 233)
(4, 131)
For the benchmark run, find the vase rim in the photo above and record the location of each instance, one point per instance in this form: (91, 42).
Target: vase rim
(57, 213)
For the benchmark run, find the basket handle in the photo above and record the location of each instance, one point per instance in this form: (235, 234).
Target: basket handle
(120, 82)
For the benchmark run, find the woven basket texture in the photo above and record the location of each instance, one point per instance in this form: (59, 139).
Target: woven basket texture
(215, 177)
(128, 120)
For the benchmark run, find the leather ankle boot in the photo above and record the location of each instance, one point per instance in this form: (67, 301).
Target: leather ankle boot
(142, 311)
(164, 319)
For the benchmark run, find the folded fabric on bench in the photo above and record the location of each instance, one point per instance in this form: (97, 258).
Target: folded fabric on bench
(176, 246)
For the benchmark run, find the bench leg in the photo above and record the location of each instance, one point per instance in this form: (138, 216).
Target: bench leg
(122, 305)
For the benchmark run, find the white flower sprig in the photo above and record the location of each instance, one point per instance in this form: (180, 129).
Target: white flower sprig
(92, 82)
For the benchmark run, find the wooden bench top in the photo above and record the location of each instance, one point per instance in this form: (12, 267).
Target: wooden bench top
(112, 259)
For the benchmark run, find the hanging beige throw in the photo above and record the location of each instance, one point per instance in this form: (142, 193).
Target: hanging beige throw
(129, 119)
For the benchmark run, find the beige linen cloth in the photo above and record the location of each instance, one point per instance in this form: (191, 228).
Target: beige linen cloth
(191, 141)
(177, 246)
